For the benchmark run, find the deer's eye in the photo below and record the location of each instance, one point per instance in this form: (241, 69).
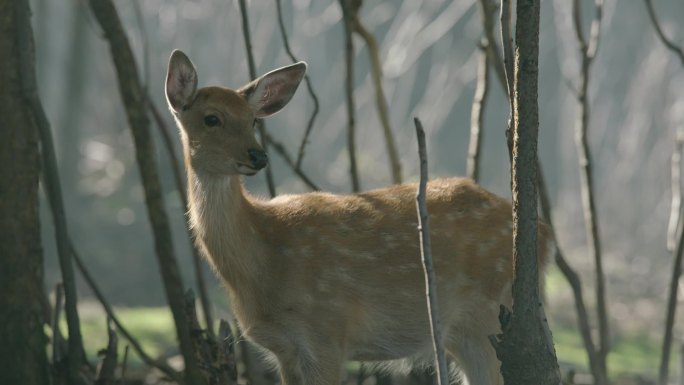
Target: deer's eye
(211, 121)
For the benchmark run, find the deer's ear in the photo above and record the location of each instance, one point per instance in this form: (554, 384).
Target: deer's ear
(181, 81)
(271, 92)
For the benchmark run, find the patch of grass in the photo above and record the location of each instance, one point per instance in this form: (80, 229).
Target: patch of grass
(630, 354)
(153, 327)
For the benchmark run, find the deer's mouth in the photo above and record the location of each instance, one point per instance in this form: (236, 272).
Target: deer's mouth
(246, 169)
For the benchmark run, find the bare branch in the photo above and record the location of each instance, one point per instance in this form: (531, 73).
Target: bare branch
(570, 275)
(288, 159)
(349, 89)
(163, 367)
(671, 311)
(507, 46)
(487, 9)
(180, 187)
(426, 255)
(677, 50)
(105, 370)
(261, 126)
(586, 181)
(133, 98)
(309, 87)
(676, 187)
(52, 185)
(477, 114)
(380, 100)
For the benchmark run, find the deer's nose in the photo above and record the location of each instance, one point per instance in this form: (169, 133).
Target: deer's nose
(259, 158)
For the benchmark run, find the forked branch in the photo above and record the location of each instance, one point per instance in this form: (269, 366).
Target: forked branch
(52, 185)
(380, 100)
(261, 127)
(587, 52)
(309, 87)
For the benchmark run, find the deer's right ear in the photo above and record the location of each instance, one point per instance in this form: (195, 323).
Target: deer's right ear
(181, 81)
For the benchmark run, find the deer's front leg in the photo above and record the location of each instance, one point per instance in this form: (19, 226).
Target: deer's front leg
(311, 365)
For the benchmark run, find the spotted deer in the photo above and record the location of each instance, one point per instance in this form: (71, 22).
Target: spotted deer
(317, 279)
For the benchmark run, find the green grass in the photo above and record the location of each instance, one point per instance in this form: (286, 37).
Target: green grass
(153, 327)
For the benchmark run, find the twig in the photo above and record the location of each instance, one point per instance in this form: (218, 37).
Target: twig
(349, 89)
(676, 187)
(133, 98)
(477, 114)
(663, 372)
(29, 85)
(124, 365)
(507, 46)
(178, 179)
(677, 50)
(426, 256)
(487, 9)
(309, 87)
(570, 275)
(109, 361)
(380, 100)
(58, 343)
(587, 54)
(280, 149)
(163, 367)
(261, 126)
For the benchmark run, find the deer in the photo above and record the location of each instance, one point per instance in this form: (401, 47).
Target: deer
(317, 279)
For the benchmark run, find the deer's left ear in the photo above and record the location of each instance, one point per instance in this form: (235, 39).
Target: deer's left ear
(181, 81)
(269, 93)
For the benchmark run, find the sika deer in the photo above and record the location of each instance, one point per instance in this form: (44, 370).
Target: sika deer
(317, 279)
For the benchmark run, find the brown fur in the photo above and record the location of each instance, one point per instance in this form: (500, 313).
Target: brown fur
(317, 278)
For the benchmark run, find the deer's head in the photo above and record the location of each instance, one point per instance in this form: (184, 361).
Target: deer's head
(217, 124)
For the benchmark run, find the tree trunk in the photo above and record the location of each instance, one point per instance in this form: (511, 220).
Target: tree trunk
(23, 347)
(526, 348)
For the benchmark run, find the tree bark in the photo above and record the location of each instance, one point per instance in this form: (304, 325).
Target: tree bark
(23, 347)
(526, 348)
(134, 102)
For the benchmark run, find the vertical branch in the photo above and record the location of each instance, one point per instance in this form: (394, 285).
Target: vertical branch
(261, 126)
(178, 179)
(573, 280)
(675, 246)
(380, 100)
(507, 45)
(426, 255)
(677, 50)
(677, 252)
(163, 367)
(676, 188)
(487, 9)
(309, 87)
(477, 114)
(349, 88)
(29, 86)
(525, 348)
(133, 99)
(587, 54)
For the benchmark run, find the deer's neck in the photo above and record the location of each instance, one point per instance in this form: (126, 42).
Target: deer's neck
(222, 218)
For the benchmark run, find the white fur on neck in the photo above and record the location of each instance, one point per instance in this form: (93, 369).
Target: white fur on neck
(220, 218)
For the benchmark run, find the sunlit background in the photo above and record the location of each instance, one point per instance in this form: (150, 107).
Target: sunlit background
(429, 55)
